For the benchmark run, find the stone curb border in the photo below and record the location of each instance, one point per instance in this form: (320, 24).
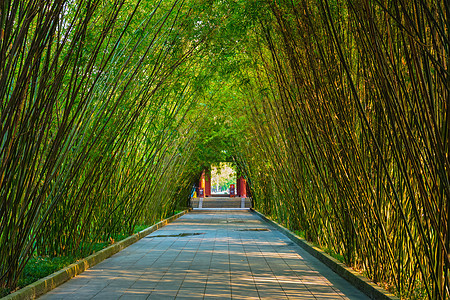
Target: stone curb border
(50, 282)
(369, 288)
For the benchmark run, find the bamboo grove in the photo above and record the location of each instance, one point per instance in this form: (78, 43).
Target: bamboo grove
(92, 122)
(350, 124)
(335, 111)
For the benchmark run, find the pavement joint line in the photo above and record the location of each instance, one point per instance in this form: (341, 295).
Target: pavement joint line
(362, 283)
(46, 284)
(189, 268)
(250, 267)
(159, 256)
(292, 272)
(274, 273)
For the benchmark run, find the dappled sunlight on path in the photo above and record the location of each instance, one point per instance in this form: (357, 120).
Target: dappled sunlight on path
(210, 254)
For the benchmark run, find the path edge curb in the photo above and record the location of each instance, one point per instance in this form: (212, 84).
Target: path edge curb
(52, 281)
(362, 283)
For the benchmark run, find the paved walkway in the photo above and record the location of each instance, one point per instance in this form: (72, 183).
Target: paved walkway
(210, 255)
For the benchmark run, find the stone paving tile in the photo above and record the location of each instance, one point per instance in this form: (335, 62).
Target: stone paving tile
(222, 255)
(190, 293)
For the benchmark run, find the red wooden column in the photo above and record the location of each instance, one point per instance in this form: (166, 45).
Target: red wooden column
(207, 182)
(241, 187)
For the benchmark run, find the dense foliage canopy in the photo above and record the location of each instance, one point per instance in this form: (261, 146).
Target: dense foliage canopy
(337, 112)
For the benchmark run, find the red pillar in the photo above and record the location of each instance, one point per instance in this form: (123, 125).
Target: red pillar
(242, 187)
(208, 183)
(205, 183)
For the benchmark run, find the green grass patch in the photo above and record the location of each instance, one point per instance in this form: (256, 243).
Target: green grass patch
(39, 267)
(335, 255)
(139, 228)
(300, 233)
(328, 251)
